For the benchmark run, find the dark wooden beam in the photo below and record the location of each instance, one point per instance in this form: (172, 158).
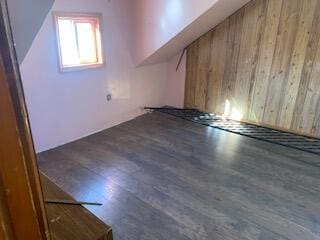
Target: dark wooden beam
(18, 166)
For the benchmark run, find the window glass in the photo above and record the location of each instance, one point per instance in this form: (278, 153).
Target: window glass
(79, 41)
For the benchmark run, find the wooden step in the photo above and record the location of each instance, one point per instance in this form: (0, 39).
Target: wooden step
(70, 222)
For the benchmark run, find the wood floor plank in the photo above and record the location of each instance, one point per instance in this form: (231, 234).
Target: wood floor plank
(161, 177)
(69, 222)
(255, 172)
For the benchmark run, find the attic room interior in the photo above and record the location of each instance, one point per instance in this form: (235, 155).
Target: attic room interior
(160, 119)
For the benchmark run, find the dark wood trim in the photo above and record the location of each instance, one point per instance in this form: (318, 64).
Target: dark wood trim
(5, 224)
(18, 166)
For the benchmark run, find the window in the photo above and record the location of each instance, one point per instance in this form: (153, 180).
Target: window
(79, 41)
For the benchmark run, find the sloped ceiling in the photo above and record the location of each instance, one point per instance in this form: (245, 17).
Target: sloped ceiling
(159, 28)
(26, 18)
(162, 28)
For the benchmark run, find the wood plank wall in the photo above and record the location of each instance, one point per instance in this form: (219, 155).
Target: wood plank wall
(265, 61)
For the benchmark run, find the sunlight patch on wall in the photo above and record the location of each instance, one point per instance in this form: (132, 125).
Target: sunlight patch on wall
(232, 112)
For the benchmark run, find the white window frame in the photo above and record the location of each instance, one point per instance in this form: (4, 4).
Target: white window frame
(78, 67)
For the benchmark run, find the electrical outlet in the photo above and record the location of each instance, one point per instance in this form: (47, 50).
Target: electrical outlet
(109, 97)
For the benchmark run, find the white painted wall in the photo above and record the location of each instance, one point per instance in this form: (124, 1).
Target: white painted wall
(158, 21)
(174, 93)
(162, 28)
(68, 106)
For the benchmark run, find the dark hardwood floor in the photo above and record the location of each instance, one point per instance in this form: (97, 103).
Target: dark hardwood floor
(160, 177)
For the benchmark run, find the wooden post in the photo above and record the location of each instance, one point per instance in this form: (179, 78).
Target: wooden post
(21, 196)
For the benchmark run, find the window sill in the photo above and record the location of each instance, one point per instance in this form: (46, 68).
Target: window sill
(81, 67)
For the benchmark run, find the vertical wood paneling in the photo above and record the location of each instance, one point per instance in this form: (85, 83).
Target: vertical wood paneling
(232, 56)
(307, 70)
(217, 61)
(202, 71)
(264, 60)
(297, 61)
(261, 23)
(246, 61)
(311, 104)
(283, 52)
(191, 74)
(316, 123)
